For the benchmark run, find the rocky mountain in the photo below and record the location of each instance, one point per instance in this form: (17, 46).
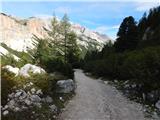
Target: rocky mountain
(18, 33)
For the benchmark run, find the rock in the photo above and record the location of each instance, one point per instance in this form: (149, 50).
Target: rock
(106, 82)
(24, 107)
(18, 94)
(11, 69)
(5, 107)
(65, 86)
(11, 104)
(11, 95)
(115, 81)
(29, 84)
(153, 96)
(35, 98)
(126, 86)
(24, 71)
(53, 108)
(28, 102)
(5, 112)
(39, 92)
(23, 95)
(38, 105)
(61, 98)
(144, 96)
(158, 104)
(48, 99)
(33, 90)
(16, 109)
(134, 86)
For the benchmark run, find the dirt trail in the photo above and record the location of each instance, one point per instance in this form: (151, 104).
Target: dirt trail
(95, 100)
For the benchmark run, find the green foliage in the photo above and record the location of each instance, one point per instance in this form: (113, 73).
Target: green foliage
(127, 35)
(135, 56)
(143, 66)
(59, 52)
(60, 66)
(7, 83)
(149, 28)
(8, 59)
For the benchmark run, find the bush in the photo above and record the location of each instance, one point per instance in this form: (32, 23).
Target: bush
(7, 82)
(144, 67)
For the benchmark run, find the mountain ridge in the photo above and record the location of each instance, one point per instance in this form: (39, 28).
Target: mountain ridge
(18, 33)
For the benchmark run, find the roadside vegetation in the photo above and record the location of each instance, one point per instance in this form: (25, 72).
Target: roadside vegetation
(57, 54)
(134, 58)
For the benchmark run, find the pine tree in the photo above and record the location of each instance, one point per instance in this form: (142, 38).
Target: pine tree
(65, 29)
(127, 35)
(73, 51)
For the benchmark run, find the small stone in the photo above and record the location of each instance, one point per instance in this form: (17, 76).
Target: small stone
(48, 99)
(35, 98)
(31, 83)
(158, 105)
(17, 109)
(11, 95)
(5, 107)
(33, 90)
(28, 102)
(61, 98)
(24, 107)
(39, 92)
(53, 108)
(11, 104)
(18, 94)
(24, 95)
(24, 86)
(106, 82)
(5, 112)
(38, 105)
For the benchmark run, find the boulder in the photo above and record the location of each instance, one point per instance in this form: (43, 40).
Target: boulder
(65, 86)
(158, 104)
(11, 69)
(24, 71)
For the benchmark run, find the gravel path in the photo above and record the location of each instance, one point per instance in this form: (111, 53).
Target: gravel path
(95, 100)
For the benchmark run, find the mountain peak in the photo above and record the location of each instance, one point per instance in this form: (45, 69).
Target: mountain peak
(18, 33)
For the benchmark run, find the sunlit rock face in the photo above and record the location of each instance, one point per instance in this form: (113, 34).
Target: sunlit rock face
(18, 33)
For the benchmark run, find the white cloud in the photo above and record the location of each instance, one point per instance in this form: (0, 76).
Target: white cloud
(145, 6)
(105, 29)
(62, 10)
(44, 16)
(109, 30)
(81, 0)
(89, 22)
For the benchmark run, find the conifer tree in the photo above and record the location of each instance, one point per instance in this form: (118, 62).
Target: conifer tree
(127, 35)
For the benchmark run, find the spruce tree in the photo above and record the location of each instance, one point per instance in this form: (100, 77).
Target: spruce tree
(65, 29)
(127, 35)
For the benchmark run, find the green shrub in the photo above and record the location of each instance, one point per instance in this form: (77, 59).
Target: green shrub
(7, 82)
(144, 67)
(57, 65)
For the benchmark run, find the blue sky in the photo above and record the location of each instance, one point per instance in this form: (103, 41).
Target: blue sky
(102, 16)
